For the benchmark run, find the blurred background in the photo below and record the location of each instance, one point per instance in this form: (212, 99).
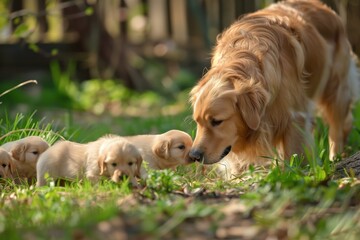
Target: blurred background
(116, 58)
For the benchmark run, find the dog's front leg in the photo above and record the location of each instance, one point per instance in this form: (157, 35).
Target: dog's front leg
(298, 138)
(94, 179)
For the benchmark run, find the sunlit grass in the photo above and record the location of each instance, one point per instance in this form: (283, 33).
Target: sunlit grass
(22, 126)
(298, 200)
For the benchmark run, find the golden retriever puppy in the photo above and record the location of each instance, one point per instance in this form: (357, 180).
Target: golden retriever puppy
(270, 71)
(7, 166)
(110, 157)
(25, 153)
(163, 151)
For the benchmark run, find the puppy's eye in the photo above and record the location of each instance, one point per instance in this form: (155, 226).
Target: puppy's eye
(130, 163)
(114, 164)
(215, 122)
(4, 165)
(35, 152)
(181, 147)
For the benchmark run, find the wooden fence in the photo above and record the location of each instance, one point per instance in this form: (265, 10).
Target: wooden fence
(107, 34)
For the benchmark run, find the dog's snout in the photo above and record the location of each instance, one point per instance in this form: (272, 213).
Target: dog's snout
(196, 155)
(122, 175)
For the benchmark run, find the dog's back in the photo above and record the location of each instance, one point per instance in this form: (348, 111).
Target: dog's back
(64, 159)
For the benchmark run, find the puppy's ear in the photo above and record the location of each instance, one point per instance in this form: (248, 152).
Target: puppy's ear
(252, 102)
(101, 163)
(161, 149)
(12, 167)
(138, 166)
(18, 151)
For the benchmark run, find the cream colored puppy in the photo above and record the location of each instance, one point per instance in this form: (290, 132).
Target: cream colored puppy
(163, 151)
(112, 157)
(7, 166)
(25, 153)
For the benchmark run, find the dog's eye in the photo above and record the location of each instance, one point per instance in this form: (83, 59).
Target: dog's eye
(35, 152)
(215, 122)
(182, 147)
(114, 164)
(4, 165)
(130, 163)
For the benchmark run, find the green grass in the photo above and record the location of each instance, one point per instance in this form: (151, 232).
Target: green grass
(297, 201)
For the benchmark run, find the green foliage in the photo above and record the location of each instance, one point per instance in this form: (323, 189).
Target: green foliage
(62, 80)
(51, 207)
(89, 11)
(164, 181)
(298, 199)
(34, 47)
(22, 30)
(97, 95)
(3, 14)
(100, 96)
(22, 126)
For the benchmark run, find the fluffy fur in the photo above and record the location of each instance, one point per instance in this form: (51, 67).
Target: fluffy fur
(162, 151)
(7, 167)
(25, 153)
(270, 71)
(111, 157)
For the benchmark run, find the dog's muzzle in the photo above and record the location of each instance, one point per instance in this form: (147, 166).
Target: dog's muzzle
(122, 176)
(226, 152)
(196, 155)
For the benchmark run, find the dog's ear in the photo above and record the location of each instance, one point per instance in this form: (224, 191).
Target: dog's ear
(101, 163)
(161, 148)
(12, 167)
(194, 94)
(252, 102)
(138, 166)
(18, 151)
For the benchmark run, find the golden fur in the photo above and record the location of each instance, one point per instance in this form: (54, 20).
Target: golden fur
(7, 166)
(112, 157)
(269, 71)
(162, 151)
(25, 153)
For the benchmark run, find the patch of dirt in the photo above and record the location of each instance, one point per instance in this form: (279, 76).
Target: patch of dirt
(233, 221)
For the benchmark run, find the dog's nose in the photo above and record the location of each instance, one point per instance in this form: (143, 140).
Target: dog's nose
(196, 155)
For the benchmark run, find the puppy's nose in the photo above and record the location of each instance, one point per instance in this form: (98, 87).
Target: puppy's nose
(196, 155)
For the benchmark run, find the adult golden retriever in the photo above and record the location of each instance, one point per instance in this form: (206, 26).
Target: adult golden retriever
(269, 71)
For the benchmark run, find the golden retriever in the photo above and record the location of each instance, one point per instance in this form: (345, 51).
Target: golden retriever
(6, 164)
(25, 153)
(111, 157)
(269, 72)
(162, 151)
